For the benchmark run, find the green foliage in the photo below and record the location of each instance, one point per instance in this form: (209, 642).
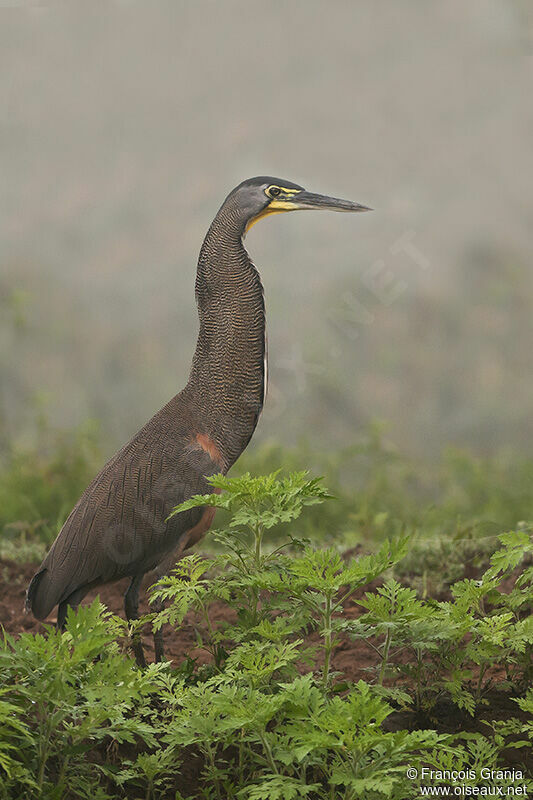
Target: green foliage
(315, 584)
(297, 739)
(486, 622)
(269, 716)
(263, 501)
(65, 694)
(278, 598)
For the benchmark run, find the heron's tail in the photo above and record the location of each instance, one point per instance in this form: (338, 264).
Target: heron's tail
(39, 599)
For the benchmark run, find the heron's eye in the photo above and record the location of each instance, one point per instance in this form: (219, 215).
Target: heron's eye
(273, 191)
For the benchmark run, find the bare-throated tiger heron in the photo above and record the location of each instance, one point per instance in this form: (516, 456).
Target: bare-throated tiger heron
(119, 527)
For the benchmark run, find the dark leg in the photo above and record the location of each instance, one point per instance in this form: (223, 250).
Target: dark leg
(131, 607)
(73, 600)
(158, 606)
(62, 615)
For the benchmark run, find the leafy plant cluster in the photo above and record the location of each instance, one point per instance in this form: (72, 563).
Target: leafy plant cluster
(449, 648)
(270, 715)
(66, 695)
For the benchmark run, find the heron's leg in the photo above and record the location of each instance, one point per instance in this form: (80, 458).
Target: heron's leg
(163, 568)
(73, 600)
(62, 610)
(131, 607)
(158, 606)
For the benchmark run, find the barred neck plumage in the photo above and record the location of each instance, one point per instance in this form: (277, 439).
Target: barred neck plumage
(227, 379)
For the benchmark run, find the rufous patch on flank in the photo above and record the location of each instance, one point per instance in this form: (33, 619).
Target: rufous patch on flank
(209, 447)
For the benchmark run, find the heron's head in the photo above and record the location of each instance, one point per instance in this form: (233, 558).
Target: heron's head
(258, 197)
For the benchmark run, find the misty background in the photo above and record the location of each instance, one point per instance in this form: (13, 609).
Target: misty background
(124, 126)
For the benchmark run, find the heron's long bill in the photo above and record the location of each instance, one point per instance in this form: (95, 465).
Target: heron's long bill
(309, 200)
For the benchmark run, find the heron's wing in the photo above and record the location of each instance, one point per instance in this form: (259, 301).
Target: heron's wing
(119, 526)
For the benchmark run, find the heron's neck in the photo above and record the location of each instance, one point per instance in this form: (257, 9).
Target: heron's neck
(228, 370)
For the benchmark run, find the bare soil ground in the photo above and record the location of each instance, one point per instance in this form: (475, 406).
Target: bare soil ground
(351, 658)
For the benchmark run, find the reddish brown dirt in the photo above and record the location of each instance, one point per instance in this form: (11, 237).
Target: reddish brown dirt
(353, 659)
(14, 579)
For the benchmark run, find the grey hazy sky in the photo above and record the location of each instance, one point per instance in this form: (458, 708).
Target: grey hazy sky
(125, 124)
